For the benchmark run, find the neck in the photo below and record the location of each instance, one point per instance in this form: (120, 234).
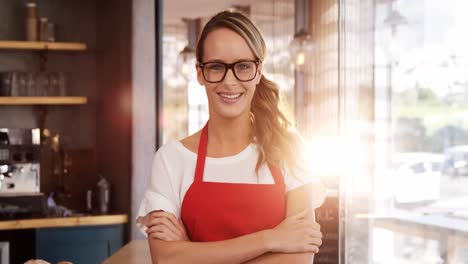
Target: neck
(228, 136)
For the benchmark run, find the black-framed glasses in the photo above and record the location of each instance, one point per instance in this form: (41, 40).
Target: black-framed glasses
(244, 71)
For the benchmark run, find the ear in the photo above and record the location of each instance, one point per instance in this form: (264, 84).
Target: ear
(200, 78)
(259, 73)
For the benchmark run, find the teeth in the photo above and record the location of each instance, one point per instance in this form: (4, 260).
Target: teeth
(230, 96)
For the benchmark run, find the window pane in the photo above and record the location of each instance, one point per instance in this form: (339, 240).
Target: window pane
(417, 208)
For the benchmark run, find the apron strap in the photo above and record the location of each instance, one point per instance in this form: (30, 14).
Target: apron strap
(201, 157)
(277, 174)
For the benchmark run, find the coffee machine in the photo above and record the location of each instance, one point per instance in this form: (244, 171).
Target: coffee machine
(20, 194)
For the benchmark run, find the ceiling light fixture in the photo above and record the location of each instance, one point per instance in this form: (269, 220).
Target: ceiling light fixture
(187, 59)
(301, 47)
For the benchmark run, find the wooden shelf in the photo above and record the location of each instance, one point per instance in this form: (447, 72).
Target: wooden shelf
(64, 222)
(35, 45)
(43, 100)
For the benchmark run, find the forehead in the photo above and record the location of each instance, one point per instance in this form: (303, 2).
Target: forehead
(226, 45)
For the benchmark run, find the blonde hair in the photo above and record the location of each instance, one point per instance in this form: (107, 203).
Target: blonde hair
(277, 145)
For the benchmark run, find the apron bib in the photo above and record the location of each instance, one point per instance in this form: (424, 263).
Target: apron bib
(214, 211)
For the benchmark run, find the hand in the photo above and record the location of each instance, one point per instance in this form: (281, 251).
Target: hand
(295, 234)
(164, 226)
(36, 261)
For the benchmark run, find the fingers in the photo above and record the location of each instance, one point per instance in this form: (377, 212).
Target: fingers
(170, 217)
(165, 226)
(311, 224)
(308, 226)
(300, 214)
(160, 236)
(315, 249)
(316, 241)
(163, 214)
(316, 226)
(182, 226)
(309, 248)
(179, 225)
(161, 232)
(164, 222)
(316, 234)
(140, 220)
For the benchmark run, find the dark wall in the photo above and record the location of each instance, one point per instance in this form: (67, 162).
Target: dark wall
(75, 22)
(98, 135)
(114, 148)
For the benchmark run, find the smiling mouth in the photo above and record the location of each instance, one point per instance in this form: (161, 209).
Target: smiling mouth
(230, 98)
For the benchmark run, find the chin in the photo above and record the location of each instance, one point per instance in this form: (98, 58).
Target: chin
(230, 111)
(230, 114)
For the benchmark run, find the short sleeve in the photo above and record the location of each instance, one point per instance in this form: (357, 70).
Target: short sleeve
(300, 177)
(160, 193)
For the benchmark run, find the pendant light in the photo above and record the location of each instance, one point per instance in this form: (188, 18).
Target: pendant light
(187, 59)
(301, 47)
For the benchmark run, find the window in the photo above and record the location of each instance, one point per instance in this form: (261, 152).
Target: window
(419, 65)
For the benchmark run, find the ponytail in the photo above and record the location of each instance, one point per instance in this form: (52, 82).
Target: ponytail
(277, 145)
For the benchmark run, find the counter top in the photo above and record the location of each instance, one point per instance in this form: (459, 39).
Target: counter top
(64, 222)
(137, 251)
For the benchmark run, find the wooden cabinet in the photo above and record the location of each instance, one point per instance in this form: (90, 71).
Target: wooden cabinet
(90, 244)
(82, 239)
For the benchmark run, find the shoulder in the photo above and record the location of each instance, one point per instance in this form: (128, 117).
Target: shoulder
(169, 162)
(170, 152)
(175, 151)
(191, 142)
(167, 149)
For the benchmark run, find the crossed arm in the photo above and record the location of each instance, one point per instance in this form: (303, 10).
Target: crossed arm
(296, 201)
(295, 240)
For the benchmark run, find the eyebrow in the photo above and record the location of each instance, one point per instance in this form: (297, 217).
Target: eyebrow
(218, 60)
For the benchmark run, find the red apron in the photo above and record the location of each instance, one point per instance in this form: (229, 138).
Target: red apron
(213, 211)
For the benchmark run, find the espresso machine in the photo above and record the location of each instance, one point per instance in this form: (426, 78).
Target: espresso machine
(20, 194)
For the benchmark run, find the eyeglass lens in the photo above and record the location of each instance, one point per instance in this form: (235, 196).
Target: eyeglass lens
(243, 70)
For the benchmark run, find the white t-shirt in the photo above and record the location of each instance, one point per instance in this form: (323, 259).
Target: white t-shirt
(173, 172)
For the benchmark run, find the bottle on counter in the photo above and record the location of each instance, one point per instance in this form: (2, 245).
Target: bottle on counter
(31, 22)
(51, 28)
(89, 201)
(43, 29)
(103, 188)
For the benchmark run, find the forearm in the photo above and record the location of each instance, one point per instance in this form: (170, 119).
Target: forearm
(273, 258)
(237, 250)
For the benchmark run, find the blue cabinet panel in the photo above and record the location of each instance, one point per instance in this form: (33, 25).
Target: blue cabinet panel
(78, 244)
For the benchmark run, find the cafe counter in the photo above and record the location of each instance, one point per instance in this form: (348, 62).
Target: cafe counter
(78, 239)
(73, 221)
(137, 251)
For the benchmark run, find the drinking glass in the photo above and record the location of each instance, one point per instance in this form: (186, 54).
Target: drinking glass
(5, 83)
(19, 84)
(42, 84)
(63, 83)
(54, 80)
(31, 88)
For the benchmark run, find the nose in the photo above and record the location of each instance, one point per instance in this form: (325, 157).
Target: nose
(230, 78)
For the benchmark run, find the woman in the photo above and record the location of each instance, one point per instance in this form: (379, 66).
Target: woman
(230, 192)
